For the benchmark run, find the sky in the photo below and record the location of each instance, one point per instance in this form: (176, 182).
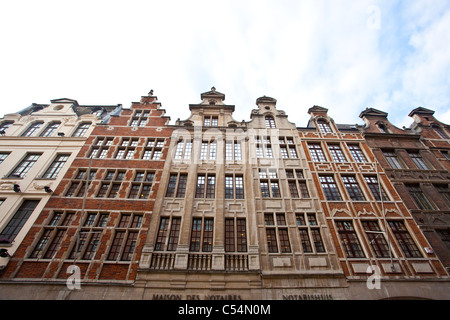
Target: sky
(344, 55)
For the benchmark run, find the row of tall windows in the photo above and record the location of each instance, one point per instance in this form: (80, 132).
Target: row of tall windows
(127, 149)
(35, 129)
(332, 193)
(396, 163)
(112, 183)
(86, 243)
(24, 166)
(352, 247)
(208, 150)
(318, 155)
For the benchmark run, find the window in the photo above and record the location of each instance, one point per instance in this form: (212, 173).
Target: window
(444, 234)
(349, 240)
(78, 186)
(100, 147)
(376, 188)
(3, 156)
(140, 118)
(393, 160)
(309, 231)
(234, 187)
(233, 150)
(206, 184)
(316, 152)
(235, 235)
(296, 182)
(270, 122)
(56, 166)
(52, 236)
(202, 236)
(357, 153)
(439, 131)
(172, 224)
(127, 148)
(82, 129)
(89, 237)
(277, 229)
(287, 147)
(32, 129)
(419, 197)
(383, 128)
(177, 185)
(5, 125)
(25, 165)
(263, 147)
(353, 189)
(208, 150)
(324, 126)
(18, 220)
(330, 188)
(211, 121)
(183, 150)
(50, 129)
(336, 153)
(142, 185)
(376, 238)
(125, 238)
(153, 149)
(110, 185)
(446, 154)
(418, 161)
(270, 187)
(405, 240)
(444, 191)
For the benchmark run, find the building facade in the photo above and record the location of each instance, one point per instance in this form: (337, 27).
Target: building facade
(97, 218)
(213, 208)
(417, 162)
(37, 147)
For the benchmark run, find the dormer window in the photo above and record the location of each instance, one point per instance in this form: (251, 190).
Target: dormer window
(383, 128)
(98, 112)
(270, 122)
(439, 131)
(324, 126)
(211, 121)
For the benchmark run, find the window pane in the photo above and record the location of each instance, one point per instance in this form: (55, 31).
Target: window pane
(19, 219)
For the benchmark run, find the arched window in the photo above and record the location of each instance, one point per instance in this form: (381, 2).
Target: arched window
(270, 122)
(32, 129)
(324, 126)
(51, 128)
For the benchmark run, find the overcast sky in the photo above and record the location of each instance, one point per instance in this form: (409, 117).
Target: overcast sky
(344, 55)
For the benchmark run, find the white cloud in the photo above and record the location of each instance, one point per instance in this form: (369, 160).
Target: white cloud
(302, 53)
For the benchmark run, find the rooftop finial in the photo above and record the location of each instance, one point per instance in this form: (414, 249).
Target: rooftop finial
(213, 89)
(151, 92)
